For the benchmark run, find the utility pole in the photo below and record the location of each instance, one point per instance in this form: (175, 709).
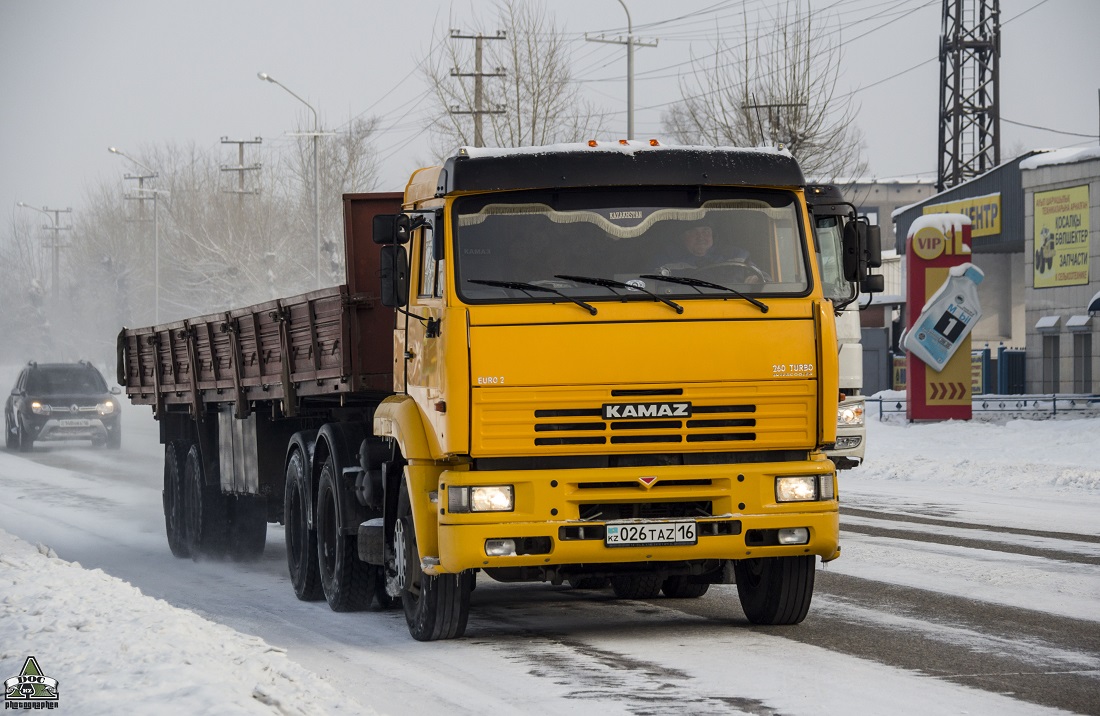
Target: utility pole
(240, 191)
(478, 75)
(631, 42)
(55, 215)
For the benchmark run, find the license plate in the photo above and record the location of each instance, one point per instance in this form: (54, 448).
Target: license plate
(650, 534)
(75, 423)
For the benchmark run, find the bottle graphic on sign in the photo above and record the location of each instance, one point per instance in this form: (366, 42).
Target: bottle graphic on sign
(947, 318)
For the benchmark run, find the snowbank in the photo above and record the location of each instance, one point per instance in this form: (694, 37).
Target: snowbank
(114, 649)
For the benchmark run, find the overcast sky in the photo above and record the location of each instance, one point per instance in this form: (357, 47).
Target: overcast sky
(77, 76)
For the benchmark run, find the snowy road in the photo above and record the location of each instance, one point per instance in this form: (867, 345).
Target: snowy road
(950, 598)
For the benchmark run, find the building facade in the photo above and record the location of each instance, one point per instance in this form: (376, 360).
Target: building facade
(1034, 296)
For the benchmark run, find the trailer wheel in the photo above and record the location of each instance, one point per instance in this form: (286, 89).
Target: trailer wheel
(347, 581)
(203, 510)
(436, 607)
(172, 497)
(636, 586)
(301, 541)
(678, 587)
(247, 527)
(775, 590)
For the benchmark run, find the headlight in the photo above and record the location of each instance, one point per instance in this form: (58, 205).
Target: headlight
(483, 498)
(850, 415)
(39, 408)
(801, 488)
(106, 407)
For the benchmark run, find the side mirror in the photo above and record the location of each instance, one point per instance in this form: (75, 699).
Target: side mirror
(383, 228)
(395, 275)
(115, 390)
(874, 283)
(851, 242)
(873, 248)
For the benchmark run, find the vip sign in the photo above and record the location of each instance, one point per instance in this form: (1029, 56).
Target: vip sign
(937, 247)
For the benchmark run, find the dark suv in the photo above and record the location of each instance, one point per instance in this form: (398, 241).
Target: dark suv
(61, 401)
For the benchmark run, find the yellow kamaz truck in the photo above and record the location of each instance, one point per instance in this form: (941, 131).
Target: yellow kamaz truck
(598, 364)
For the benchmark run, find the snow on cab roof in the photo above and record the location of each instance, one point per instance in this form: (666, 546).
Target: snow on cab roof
(621, 146)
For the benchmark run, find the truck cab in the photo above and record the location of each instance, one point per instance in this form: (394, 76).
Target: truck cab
(845, 257)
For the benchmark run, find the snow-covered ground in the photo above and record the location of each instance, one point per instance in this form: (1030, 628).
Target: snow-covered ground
(124, 649)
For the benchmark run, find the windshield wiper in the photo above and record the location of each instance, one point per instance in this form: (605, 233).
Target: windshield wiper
(698, 283)
(528, 287)
(612, 284)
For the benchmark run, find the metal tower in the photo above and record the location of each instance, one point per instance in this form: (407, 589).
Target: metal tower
(970, 50)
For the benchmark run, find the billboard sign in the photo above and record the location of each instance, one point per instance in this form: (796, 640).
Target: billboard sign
(1061, 237)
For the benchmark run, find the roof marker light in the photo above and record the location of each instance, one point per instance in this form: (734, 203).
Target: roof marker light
(592, 142)
(624, 142)
(654, 143)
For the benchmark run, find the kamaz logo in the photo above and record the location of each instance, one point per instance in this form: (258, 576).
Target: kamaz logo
(646, 410)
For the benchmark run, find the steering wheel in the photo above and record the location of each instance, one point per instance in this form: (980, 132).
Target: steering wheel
(730, 271)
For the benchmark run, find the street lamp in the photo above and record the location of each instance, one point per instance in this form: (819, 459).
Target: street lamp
(53, 214)
(156, 225)
(316, 201)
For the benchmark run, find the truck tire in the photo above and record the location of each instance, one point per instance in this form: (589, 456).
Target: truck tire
(203, 510)
(679, 587)
(172, 498)
(247, 527)
(436, 607)
(775, 590)
(636, 586)
(301, 541)
(348, 582)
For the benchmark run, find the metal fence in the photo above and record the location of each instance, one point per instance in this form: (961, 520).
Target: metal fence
(1002, 408)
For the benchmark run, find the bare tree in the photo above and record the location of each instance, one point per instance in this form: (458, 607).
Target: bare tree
(778, 87)
(535, 102)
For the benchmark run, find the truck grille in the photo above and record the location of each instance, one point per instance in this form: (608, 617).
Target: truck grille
(510, 421)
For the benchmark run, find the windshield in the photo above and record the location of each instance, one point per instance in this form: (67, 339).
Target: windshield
(830, 260)
(63, 381)
(586, 244)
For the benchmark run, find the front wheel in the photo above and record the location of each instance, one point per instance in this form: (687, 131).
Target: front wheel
(26, 442)
(775, 590)
(436, 607)
(348, 582)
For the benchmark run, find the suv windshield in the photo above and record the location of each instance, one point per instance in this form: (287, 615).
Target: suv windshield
(586, 244)
(60, 381)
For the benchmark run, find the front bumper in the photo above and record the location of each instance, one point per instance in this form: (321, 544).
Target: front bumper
(64, 428)
(557, 516)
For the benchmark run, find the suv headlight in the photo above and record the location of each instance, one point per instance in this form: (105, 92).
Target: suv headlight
(106, 407)
(850, 415)
(40, 408)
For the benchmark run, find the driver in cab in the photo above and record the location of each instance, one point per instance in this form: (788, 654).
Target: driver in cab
(696, 249)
